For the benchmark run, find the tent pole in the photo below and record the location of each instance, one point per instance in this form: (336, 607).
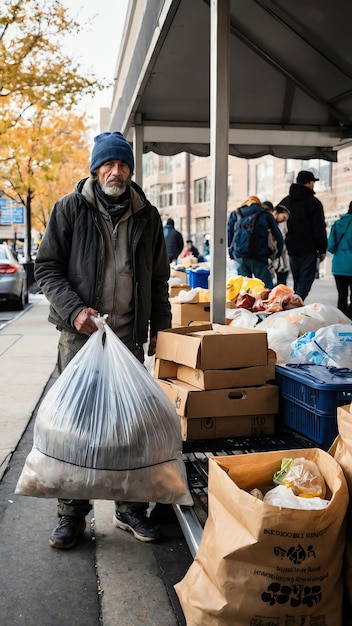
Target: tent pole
(219, 149)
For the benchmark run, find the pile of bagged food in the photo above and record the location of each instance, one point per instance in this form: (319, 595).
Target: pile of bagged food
(248, 293)
(314, 333)
(251, 294)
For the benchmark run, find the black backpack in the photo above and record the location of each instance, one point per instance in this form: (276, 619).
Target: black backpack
(243, 242)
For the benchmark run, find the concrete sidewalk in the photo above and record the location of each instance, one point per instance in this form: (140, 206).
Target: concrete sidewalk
(28, 349)
(131, 587)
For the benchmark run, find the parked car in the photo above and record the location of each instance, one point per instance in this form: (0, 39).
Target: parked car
(13, 278)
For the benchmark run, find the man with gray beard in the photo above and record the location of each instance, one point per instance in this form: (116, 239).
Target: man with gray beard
(103, 252)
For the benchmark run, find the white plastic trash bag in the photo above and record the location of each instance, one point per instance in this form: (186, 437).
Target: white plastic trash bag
(306, 318)
(242, 318)
(106, 430)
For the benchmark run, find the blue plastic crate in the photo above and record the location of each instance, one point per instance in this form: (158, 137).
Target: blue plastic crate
(309, 396)
(198, 278)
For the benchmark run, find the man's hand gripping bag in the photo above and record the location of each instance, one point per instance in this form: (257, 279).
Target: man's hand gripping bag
(260, 564)
(106, 430)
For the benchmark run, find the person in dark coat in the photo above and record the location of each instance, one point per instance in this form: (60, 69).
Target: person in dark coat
(103, 250)
(173, 240)
(306, 238)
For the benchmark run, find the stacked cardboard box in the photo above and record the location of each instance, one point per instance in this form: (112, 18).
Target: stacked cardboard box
(186, 313)
(215, 376)
(174, 290)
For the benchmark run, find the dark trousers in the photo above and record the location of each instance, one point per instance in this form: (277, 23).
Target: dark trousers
(254, 267)
(81, 508)
(303, 270)
(344, 291)
(281, 278)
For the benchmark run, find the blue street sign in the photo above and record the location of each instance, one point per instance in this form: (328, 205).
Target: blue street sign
(12, 213)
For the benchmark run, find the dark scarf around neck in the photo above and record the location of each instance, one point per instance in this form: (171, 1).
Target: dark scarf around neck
(115, 207)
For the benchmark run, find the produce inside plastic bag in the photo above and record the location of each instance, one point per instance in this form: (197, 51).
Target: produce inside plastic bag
(299, 485)
(302, 476)
(106, 430)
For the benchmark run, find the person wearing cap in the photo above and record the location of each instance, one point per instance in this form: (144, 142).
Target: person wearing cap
(103, 252)
(306, 238)
(173, 240)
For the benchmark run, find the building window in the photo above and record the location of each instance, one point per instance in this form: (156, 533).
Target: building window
(166, 164)
(321, 169)
(201, 190)
(180, 194)
(153, 194)
(180, 159)
(162, 195)
(150, 163)
(265, 180)
(202, 226)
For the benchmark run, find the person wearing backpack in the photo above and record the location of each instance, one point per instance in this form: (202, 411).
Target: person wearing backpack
(248, 231)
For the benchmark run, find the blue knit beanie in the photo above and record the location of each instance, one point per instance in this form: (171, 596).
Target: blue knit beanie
(111, 147)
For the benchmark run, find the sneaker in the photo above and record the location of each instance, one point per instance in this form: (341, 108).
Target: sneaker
(66, 533)
(138, 524)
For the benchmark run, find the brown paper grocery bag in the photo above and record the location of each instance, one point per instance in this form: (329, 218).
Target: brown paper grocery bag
(341, 450)
(259, 564)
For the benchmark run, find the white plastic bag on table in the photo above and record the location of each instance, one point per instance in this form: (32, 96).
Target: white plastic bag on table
(280, 337)
(329, 346)
(106, 430)
(242, 318)
(307, 318)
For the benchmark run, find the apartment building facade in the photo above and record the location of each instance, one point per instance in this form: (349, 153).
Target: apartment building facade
(180, 185)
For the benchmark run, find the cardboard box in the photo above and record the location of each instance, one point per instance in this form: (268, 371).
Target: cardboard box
(174, 290)
(181, 274)
(192, 402)
(272, 360)
(222, 427)
(184, 313)
(212, 379)
(213, 347)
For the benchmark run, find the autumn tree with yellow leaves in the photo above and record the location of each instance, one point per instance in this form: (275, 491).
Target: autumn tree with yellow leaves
(46, 158)
(43, 139)
(34, 72)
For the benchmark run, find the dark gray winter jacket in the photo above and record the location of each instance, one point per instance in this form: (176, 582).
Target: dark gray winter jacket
(70, 263)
